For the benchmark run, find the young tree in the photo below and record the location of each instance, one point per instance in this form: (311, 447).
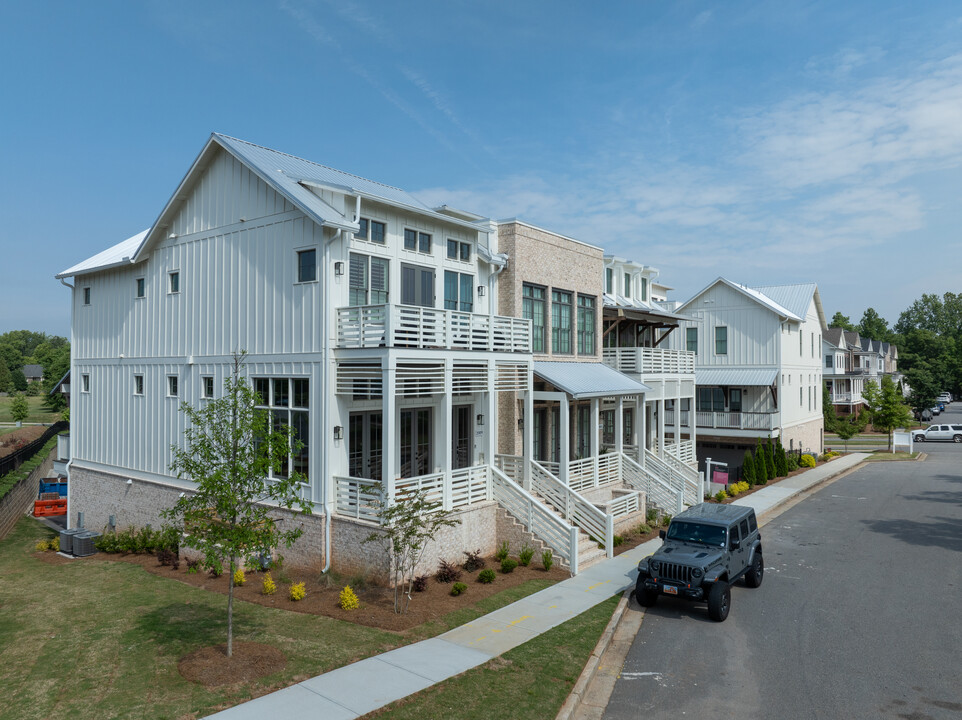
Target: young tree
(781, 460)
(770, 459)
(229, 449)
(848, 427)
(761, 465)
(828, 410)
(748, 468)
(19, 409)
(885, 406)
(407, 526)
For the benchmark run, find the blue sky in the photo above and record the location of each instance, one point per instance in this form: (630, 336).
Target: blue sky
(766, 142)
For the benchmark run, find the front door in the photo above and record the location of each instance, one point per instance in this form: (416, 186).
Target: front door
(415, 440)
(364, 445)
(461, 445)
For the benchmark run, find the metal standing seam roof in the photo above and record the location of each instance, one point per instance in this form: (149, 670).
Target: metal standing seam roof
(768, 302)
(619, 302)
(795, 298)
(735, 376)
(588, 379)
(119, 254)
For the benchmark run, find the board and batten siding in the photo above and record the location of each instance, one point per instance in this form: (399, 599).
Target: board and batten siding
(801, 370)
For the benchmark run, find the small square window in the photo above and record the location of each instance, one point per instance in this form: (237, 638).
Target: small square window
(410, 239)
(307, 266)
(424, 242)
(173, 282)
(362, 232)
(453, 249)
(86, 296)
(141, 287)
(138, 384)
(207, 386)
(171, 386)
(378, 231)
(465, 251)
(85, 383)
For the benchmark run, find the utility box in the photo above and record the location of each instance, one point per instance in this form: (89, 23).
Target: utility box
(83, 543)
(66, 539)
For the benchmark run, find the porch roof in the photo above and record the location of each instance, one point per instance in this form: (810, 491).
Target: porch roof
(588, 379)
(735, 376)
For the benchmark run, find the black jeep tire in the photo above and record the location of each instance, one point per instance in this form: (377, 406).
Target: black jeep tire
(753, 578)
(719, 601)
(646, 598)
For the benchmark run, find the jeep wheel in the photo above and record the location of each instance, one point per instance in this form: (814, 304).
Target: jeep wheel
(646, 598)
(753, 578)
(719, 601)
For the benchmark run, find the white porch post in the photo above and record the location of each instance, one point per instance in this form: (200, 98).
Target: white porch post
(677, 425)
(563, 438)
(491, 416)
(641, 409)
(661, 428)
(447, 411)
(389, 428)
(593, 445)
(528, 449)
(619, 424)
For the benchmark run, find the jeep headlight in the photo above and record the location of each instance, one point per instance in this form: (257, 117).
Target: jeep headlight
(653, 565)
(696, 573)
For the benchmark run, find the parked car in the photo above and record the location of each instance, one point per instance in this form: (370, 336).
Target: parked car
(944, 398)
(939, 432)
(935, 409)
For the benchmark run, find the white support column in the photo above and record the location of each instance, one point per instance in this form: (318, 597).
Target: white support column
(660, 429)
(619, 424)
(593, 444)
(491, 416)
(641, 429)
(528, 449)
(564, 420)
(447, 412)
(677, 425)
(389, 427)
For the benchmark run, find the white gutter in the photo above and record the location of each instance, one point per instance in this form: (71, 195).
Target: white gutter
(326, 398)
(72, 345)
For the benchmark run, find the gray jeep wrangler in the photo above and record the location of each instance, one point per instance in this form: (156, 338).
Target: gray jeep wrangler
(706, 549)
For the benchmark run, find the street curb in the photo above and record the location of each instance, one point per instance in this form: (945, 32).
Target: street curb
(573, 701)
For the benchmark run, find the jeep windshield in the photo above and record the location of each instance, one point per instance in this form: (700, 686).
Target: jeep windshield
(697, 533)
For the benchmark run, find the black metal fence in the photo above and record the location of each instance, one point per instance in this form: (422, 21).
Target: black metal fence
(17, 458)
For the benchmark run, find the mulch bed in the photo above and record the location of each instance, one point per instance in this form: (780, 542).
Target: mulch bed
(210, 666)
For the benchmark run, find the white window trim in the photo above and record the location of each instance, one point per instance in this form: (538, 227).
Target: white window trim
(170, 274)
(141, 392)
(297, 265)
(137, 282)
(176, 379)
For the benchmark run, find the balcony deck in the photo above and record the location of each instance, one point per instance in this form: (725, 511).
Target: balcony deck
(409, 326)
(647, 361)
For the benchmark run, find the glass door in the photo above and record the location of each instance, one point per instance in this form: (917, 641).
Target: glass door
(416, 442)
(463, 427)
(364, 445)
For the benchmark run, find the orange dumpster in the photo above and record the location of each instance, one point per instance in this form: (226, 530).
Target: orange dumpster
(46, 508)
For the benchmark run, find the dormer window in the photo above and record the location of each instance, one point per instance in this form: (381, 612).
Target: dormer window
(627, 285)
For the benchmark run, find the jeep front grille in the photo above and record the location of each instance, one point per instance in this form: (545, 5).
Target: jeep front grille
(675, 573)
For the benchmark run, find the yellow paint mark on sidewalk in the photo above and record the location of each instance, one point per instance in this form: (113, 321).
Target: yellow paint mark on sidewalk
(523, 617)
(597, 585)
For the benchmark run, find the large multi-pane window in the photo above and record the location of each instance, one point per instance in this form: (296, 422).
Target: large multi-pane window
(721, 340)
(533, 309)
(586, 325)
(369, 280)
(560, 322)
(414, 240)
(711, 399)
(287, 400)
(691, 339)
(458, 291)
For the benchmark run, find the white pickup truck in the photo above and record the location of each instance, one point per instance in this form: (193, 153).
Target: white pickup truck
(938, 432)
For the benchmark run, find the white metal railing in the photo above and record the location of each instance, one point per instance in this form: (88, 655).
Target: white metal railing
(690, 476)
(657, 491)
(358, 498)
(552, 467)
(558, 535)
(670, 417)
(684, 450)
(511, 465)
(842, 397)
(594, 472)
(676, 475)
(650, 361)
(624, 504)
(734, 420)
(573, 507)
(422, 327)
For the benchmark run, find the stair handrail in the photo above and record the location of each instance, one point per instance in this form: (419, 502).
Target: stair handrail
(656, 490)
(573, 507)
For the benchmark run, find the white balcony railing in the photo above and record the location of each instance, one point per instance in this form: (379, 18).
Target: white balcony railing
(411, 326)
(735, 420)
(650, 361)
(842, 397)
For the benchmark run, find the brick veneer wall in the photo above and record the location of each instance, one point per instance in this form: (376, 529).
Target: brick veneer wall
(21, 496)
(808, 436)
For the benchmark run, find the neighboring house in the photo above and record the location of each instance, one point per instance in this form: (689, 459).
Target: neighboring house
(33, 373)
(849, 362)
(758, 366)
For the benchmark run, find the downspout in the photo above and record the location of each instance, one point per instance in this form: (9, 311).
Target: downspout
(326, 396)
(67, 467)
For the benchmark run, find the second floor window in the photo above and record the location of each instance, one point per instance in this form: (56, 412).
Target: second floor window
(141, 287)
(138, 384)
(307, 266)
(173, 282)
(368, 281)
(86, 296)
(627, 285)
(721, 340)
(172, 386)
(533, 309)
(609, 281)
(207, 386)
(691, 339)
(586, 325)
(458, 291)
(414, 240)
(560, 322)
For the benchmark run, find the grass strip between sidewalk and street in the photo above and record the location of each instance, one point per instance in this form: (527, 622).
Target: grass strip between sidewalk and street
(529, 682)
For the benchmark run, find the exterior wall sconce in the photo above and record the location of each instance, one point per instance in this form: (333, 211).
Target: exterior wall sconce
(338, 432)
(480, 419)
(520, 423)
(481, 290)
(339, 268)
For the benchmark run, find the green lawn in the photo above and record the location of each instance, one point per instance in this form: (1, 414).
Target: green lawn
(528, 683)
(101, 639)
(38, 413)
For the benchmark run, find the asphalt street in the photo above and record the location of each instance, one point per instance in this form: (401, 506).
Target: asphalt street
(858, 615)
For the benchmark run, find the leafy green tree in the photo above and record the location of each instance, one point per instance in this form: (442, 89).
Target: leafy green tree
(828, 410)
(19, 408)
(885, 406)
(873, 326)
(6, 381)
(229, 449)
(770, 459)
(923, 387)
(19, 380)
(841, 321)
(748, 468)
(761, 465)
(848, 427)
(407, 526)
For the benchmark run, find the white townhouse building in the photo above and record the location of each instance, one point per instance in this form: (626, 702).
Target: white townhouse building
(758, 366)
(851, 361)
(371, 328)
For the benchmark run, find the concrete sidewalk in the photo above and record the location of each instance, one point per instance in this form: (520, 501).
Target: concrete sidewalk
(354, 690)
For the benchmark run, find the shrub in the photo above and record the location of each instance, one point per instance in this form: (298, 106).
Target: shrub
(297, 591)
(269, 587)
(473, 560)
(666, 520)
(791, 462)
(165, 556)
(502, 552)
(643, 529)
(458, 588)
(193, 566)
(447, 572)
(547, 560)
(508, 565)
(781, 460)
(41, 546)
(239, 577)
(720, 496)
(486, 576)
(615, 541)
(748, 468)
(807, 461)
(348, 599)
(215, 569)
(651, 516)
(525, 555)
(420, 583)
(733, 490)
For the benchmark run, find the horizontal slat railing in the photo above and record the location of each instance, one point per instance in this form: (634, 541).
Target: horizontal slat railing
(734, 420)
(558, 535)
(572, 506)
(358, 498)
(657, 491)
(650, 361)
(676, 474)
(684, 450)
(594, 472)
(511, 465)
(422, 327)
